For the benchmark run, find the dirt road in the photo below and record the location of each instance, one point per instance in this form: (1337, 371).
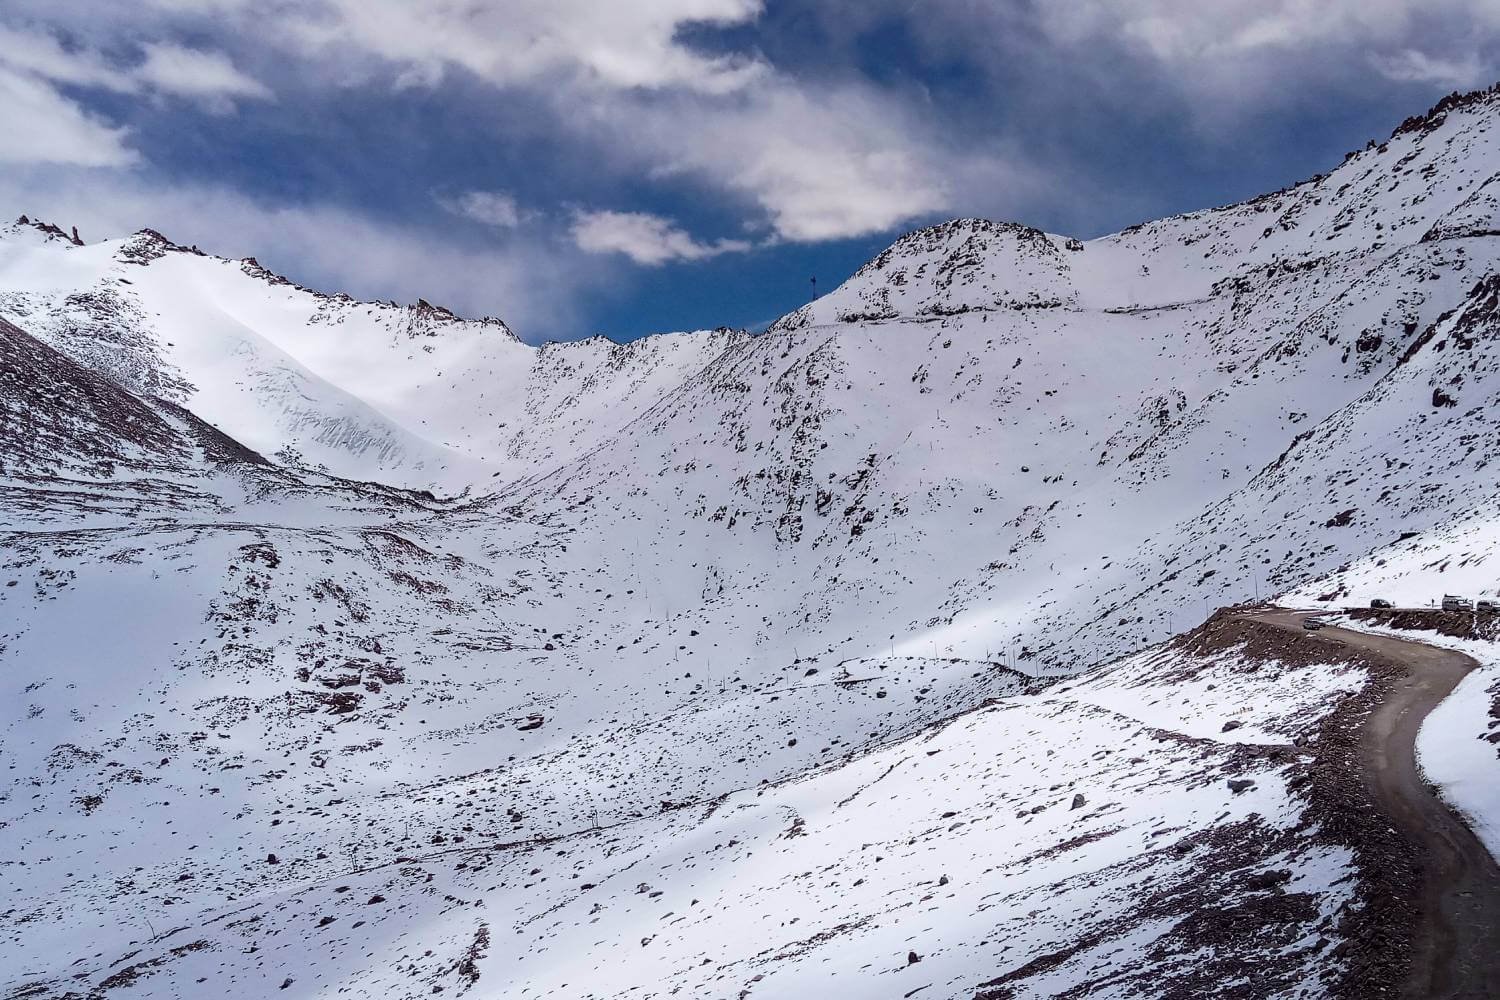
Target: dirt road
(1457, 950)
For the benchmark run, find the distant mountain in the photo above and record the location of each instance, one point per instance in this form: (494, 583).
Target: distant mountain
(413, 395)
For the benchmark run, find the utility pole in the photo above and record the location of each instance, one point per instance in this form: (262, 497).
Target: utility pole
(814, 288)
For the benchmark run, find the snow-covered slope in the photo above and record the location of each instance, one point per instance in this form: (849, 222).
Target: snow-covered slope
(738, 663)
(61, 420)
(979, 846)
(1068, 473)
(411, 395)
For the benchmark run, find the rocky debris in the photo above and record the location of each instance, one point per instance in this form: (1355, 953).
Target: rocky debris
(468, 966)
(332, 702)
(387, 673)
(1342, 519)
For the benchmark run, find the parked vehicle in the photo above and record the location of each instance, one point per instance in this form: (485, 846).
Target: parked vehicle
(1452, 602)
(1487, 607)
(1382, 603)
(1313, 624)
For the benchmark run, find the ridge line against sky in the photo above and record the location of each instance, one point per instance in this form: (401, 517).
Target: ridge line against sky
(581, 166)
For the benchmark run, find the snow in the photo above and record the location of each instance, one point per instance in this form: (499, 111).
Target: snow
(926, 841)
(1455, 756)
(707, 623)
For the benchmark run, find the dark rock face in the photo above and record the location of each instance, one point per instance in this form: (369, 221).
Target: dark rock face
(58, 415)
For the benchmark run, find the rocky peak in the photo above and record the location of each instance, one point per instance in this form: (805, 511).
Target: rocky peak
(965, 238)
(51, 231)
(1438, 113)
(958, 266)
(147, 245)
(427, 319)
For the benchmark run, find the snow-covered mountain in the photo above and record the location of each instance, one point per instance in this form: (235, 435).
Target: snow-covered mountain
(356, 646)
(411, 395)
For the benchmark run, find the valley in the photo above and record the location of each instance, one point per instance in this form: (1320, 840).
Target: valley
(922, 643)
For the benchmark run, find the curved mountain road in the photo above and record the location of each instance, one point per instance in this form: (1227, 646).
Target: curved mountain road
(1456, 953)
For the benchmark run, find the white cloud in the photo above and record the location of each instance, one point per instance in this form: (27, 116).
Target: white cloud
(195, 74)
(814, 162)
(42, 126)
(1188, 30)
(41, 55)
(1256, 46)
(603, 43)
(644, 238)
(493, 208)
(211, 7)
(848, 161)
(1458, 71)
(48, 126)
(844, 163)
(808, 161)
(163, 68)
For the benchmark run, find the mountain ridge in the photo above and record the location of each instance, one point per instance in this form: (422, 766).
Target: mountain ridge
(1425, 122)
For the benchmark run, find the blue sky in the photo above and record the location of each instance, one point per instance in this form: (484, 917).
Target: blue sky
(592, 166)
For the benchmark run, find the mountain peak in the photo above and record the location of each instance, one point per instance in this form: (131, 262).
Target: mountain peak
(963, 241)
(146, 245)
(958, 266)
(1438, 113)
(52, 232)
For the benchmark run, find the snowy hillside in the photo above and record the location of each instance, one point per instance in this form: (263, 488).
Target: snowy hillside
(1063, 481)
(411, 395)
(356, 647)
